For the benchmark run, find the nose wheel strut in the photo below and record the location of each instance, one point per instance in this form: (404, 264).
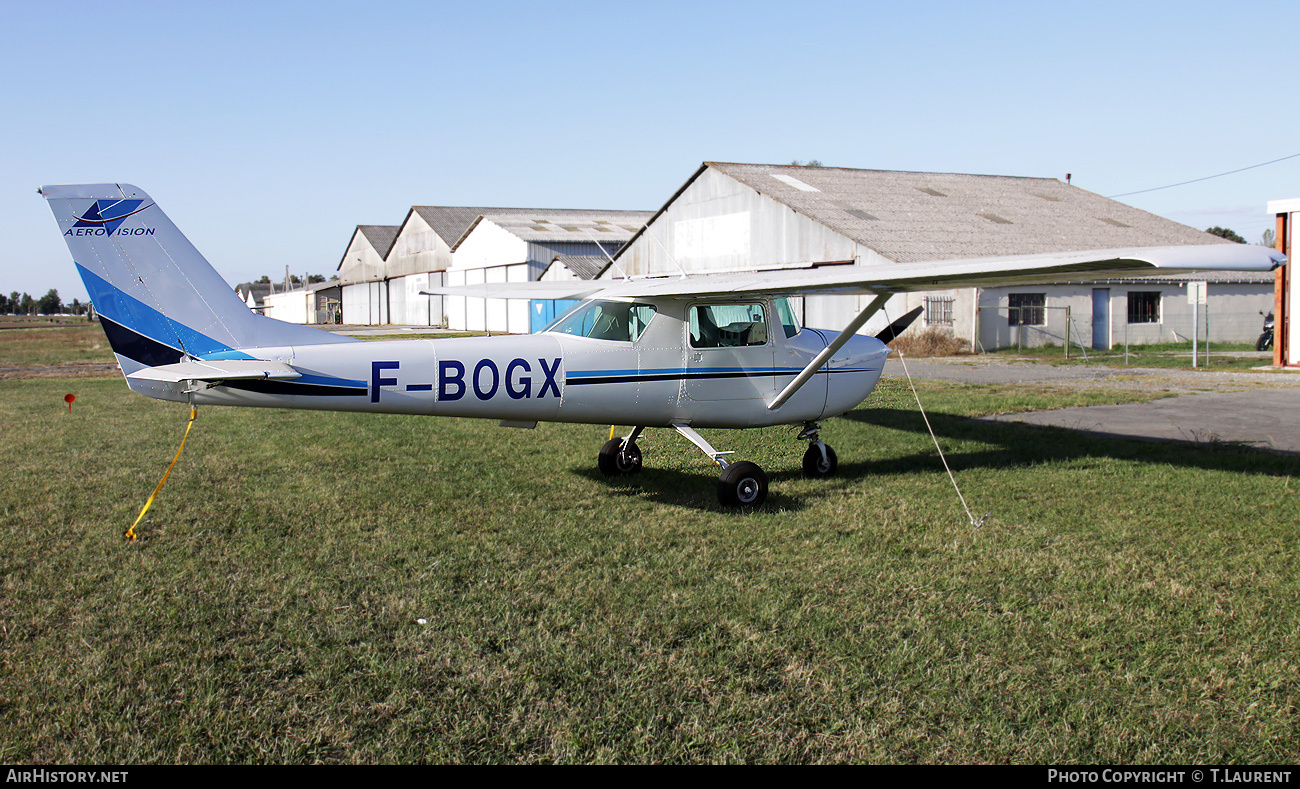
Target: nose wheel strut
(819, 460)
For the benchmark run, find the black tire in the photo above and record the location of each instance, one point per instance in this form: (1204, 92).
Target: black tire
(1263, 343)
(814, 466)
(742, 484)
(614, 461)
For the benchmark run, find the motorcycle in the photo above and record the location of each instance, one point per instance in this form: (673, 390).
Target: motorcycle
(1265, 340)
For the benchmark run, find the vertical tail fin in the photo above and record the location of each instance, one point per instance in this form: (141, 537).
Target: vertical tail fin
(158, 299)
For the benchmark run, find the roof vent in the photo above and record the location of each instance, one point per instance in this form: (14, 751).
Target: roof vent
(933, 192)
(860, 214)
(1114, 222)
(998, 219)
(1042, 196)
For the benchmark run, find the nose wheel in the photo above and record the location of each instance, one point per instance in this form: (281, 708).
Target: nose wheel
(819, 460)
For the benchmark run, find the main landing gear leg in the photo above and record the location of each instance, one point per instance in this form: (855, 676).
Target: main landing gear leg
(620, 456)
(819, 460)
(742, 484)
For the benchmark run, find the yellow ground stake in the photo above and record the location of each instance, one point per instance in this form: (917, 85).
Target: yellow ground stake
(130, 533)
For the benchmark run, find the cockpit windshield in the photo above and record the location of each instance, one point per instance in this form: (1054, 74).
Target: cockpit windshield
(605, 320)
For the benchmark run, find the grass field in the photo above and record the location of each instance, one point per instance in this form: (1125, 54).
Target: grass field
(349, 588)
(1221, 356)
(41, 342)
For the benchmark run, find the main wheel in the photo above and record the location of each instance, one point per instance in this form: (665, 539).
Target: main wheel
(814, 465)
(742, 484)
(615, 461)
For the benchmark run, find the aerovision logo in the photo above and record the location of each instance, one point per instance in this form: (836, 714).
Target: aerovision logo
(105, 218)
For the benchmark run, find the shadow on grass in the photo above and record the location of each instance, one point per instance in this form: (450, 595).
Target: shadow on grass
(1029, 445)
(696, 491)
(1006, 445)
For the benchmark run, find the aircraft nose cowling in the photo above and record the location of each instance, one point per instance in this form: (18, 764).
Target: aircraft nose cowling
(854, 371)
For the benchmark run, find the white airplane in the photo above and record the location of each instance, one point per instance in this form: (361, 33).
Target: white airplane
(722, 351)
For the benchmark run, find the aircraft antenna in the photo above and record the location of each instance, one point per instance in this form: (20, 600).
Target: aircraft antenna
(601, 247)
(666, 252)
(935, 439)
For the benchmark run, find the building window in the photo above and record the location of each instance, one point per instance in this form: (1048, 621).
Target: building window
(1027, 309)
(1144, 306)
(938, 311)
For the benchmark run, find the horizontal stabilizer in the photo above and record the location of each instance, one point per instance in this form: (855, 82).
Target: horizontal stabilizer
(224, 370)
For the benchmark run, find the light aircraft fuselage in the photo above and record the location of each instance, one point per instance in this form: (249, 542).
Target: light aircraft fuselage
(656, 380)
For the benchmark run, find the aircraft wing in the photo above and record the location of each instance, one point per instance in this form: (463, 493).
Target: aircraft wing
(901, 277)
(225, 370)
(575, 289)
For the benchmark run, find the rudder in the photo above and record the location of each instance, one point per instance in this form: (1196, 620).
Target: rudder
(158, 299)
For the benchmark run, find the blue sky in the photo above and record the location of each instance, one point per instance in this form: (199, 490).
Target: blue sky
(269, 130)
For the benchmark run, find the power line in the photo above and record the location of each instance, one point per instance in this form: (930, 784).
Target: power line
(1206, 178)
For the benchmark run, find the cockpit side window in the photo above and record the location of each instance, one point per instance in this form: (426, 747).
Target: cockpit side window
(727, 325)
(622, 321)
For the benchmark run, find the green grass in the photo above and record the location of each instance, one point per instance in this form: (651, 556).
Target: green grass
(1125, 601)
(1223, 357)
(45, 342)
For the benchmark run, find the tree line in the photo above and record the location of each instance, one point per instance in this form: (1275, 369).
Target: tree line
(50, 304)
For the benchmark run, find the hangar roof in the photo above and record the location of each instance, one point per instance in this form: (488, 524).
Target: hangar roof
(453, 223)
(585, 266)
(381, 237)
(564, 225)
(910, 217)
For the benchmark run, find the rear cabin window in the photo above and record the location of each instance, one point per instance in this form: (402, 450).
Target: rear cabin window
(728, 325)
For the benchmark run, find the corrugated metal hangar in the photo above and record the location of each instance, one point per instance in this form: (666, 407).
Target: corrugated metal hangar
(736, 217)
(385, 268)
(745, 217)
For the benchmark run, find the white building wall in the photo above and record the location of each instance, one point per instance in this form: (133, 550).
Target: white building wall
(488, 254)
(361, 262)
(1231, 315)
(365, 303)
(488, 245)
(518, 316)
(417, 309)
(718, 225)
(292, 306)
(417, 249)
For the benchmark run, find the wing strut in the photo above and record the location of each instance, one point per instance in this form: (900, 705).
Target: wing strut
(829, 351)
